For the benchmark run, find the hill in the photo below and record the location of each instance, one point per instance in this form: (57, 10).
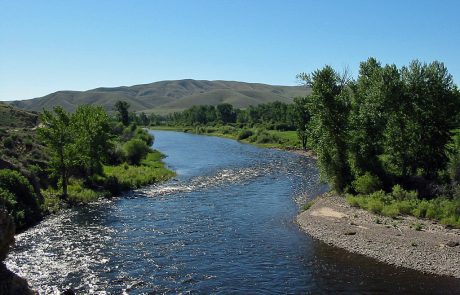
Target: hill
(11, 117)
(168, 96)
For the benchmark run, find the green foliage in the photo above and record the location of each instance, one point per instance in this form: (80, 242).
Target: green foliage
(18, 197)
(453, 151)
(122, 108)
(57, 133)
(400, 201)
(243, 134)
(8, 143)
(149, 171)
(367, 184)
(329, 108)
(302, 119)
(92, 136)
(135, 149)
(308, 205)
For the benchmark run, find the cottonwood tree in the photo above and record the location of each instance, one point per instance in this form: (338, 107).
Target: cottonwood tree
(302, 119)
(122, 108)
(92, 137)
(330, 106)
(57, 133)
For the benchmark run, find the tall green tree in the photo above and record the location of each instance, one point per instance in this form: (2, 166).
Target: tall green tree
(330, 106)
(122, 107)
(57, 133)
(374, 90)
(225, 113)
(92, 137)
(432, 92)
(302, 119)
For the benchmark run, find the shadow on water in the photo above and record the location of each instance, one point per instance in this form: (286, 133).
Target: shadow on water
(225, 225)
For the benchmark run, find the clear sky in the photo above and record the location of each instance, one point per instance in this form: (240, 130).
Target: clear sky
(46, 46)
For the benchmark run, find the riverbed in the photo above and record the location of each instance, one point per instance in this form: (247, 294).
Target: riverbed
(226, 224)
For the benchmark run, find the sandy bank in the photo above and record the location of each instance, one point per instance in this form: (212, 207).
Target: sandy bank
(434, 249)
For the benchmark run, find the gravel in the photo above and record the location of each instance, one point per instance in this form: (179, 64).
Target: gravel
(434, 249)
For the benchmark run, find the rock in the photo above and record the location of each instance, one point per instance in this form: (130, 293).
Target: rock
(452, 244)
(6, 234)
(10, 283)
(68, 292)
(349, 233)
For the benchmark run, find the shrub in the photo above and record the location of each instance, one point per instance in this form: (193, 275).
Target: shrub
(116, 154)
(367, 184)
(18, 197)
(136, 150)
(243, 134)
(400, 194)
(8, 143)
(354, 200)
(145, 136)
(391, 210)
(375, 205)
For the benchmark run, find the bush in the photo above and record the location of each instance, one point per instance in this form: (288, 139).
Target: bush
(400, 201)
(145, 136)
(243, 134)
(367, 184)
(391, 210)
(136, 150)
(8, 143)
(400, 194)
(18, 198)
(116, 155)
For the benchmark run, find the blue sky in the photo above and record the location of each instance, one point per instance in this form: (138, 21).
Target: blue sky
(46, 46)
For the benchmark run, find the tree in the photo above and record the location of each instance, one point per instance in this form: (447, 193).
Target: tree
(58, 136)
(136, 149)
(92, 135)
(122, 108)
(225, 113)
(431, 90)
(330, 108)
(369, 114)
(302, 119)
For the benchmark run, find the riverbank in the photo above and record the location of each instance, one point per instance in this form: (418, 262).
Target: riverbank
(276, 139)
(432, 249)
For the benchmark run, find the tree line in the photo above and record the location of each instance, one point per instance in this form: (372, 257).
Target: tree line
(392, 124)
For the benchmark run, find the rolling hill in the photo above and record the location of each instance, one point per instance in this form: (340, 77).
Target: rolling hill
(168, 96)
(11, 117)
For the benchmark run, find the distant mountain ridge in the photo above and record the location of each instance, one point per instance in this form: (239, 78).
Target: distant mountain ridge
(168, 96)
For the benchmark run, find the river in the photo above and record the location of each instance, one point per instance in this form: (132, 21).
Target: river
(226, 224)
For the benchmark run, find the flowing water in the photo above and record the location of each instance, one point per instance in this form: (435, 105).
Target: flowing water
(224, 225)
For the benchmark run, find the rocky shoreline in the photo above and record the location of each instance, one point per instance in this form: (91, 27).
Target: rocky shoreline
(404, 242)
(10, 283)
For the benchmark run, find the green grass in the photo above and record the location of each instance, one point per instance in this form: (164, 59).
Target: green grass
(308, 205)
(260, 136)
(150, 170)
(400, 202)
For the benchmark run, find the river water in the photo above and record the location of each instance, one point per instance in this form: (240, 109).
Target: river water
(226, 224)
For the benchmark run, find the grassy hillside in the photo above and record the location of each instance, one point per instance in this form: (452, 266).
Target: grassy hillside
(168, 96)
(11, 117)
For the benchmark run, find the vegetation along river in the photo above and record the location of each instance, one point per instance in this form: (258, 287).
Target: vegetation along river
(226, 224)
